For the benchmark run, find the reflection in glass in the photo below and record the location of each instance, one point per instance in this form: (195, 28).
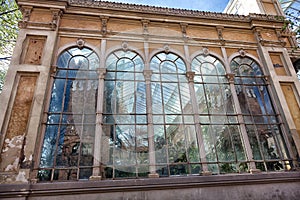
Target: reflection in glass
(263, 131)
(70, 127)
(175, 141)
(125, 109)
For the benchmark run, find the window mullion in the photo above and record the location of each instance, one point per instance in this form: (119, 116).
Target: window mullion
(190, 75)
(241, 121)
(152, 163)
(99, 131)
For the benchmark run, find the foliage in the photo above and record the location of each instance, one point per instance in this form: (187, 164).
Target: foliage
(2, 77)
(9, 17)
(294, 22)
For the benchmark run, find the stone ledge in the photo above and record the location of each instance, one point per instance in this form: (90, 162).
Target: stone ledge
(134, 185)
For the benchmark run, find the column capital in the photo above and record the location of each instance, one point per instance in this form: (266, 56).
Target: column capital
(230, 77)
(101, 73)
(147, 74)
(190, 75)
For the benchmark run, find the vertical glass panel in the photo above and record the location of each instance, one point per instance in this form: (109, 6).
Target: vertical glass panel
(48, 149)
(201, 98)
(109, 97)
(224, 144)
(171, 98)
(155, 64)
(160, 144)
(69, 143)
(254, 142)
(56, 97)
(180, 66)
(237, 142)
(142, 145)
(156, 98)
(192, 144)
(176, 144)
(209, 137)
(186, 104)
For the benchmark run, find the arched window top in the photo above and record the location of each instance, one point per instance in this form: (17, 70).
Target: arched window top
(244, 66)
(125, 61)
(75, 58)
(167, 63)
(207, 65)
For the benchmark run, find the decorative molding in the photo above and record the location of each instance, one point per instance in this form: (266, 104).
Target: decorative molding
(104, 21)
(56, 15)
(242, 52)
(26, 12)
(171, 11)
(280, 37)
(260, 39)
(101, 73)
(190, 75)
(53, 70)
(220, 34)
(166, 48)
(147, 74)
(124, 46)
(80, 43)
(183, 29)
(205, 51)
(145, 23)
(230, 77)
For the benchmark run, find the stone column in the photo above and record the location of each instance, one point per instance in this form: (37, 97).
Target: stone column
(190, 75)
(98, 166)
(97, 170)
(241, 121)
(151, 150)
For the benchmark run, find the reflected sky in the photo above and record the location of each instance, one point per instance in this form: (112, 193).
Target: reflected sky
(203, 5)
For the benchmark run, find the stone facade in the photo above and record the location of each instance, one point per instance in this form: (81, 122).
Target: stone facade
(49, 27)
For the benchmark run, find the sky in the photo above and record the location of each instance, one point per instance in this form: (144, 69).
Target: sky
(203, 5)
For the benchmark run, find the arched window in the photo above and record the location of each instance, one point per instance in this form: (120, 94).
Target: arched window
(221, 134)
(175, 140)
(125, 143)
(67, 151)
(260, 117)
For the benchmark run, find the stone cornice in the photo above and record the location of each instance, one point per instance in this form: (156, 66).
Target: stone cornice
(172, 11)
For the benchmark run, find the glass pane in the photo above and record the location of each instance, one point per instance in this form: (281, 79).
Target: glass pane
(168, 67)
(237, 142)
(125, 64)
(209, 137)
(160, 144)
(49, 146)
(224, 144)
(171, 98)
(156, 98)
(254, 142)
(192, 144)
(201, 98)
(176, 144)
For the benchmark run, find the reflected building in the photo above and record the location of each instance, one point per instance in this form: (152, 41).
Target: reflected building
(111, 100)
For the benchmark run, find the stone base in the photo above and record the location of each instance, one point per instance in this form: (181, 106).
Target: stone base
(255, 171)
(95, 178)
(206, 173)
(156, 175)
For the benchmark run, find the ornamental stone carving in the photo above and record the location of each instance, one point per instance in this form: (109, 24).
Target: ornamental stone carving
(124, 46)
(26, 11)
(205, 51)
(80, 43)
